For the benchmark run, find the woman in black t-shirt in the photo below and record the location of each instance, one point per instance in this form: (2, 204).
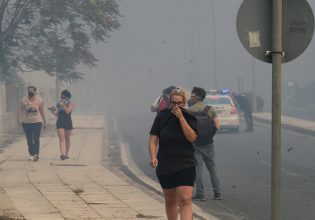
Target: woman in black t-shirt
(174, 131)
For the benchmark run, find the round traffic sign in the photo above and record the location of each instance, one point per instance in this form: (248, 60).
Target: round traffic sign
(254, 28)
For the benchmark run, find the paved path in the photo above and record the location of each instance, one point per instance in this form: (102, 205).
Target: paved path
(306, 127)
(79, 188)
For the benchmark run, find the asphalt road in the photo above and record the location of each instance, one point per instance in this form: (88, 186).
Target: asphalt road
(244, 167)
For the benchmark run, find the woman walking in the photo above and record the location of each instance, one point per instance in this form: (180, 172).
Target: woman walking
(32, 118)
(174, 130)
(64, 126)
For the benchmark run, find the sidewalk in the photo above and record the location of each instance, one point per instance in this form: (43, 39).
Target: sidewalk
(298, 125)
(79, 188)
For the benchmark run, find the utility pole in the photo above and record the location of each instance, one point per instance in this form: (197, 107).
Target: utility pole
(214, 46)
(57, 88)
(192, 59)
(240, 84)
(254, 103)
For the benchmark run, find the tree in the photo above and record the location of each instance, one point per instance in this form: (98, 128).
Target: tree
(53, 35)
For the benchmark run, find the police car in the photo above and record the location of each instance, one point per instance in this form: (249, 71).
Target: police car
(225, 108)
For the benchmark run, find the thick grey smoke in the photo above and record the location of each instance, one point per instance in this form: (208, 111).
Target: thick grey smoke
(176, 42)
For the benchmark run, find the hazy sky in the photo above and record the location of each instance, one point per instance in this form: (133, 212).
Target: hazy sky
(172, 42)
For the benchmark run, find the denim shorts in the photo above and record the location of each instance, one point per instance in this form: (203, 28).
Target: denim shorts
(184, 177)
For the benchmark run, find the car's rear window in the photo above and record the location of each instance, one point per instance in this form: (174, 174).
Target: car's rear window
(217, 101)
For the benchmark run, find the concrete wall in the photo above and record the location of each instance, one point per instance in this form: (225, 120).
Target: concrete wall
(8, 120)
(2, 98)
(8, 123)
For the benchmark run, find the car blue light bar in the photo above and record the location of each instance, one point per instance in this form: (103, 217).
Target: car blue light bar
(225, 92)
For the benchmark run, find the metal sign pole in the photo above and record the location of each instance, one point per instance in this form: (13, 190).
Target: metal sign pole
(276, 107)
(263, 31)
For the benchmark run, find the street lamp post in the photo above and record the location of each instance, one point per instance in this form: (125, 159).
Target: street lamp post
(214, 45)
(254, 100)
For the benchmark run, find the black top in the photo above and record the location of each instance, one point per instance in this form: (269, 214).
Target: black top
(175, 152)
(64, 120)
(244, 103)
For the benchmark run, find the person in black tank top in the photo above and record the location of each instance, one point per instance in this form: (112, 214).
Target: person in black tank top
(63, 110)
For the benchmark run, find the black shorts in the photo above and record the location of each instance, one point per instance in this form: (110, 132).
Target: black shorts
(185, 177)
(67, 125)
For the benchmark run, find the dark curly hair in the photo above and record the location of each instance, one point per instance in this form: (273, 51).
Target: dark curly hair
(199, 92)
(66, 93)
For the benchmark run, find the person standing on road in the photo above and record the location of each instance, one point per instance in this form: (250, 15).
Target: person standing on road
(246, 108)
(32, 118)
(174, 131)
(64, 126)
(204, 153)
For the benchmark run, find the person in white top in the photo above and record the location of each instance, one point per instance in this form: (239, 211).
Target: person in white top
(162, 102)
(32, 118)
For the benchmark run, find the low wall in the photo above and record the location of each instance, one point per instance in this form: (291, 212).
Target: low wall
(8, 118)
(8, 122)
(8, 128)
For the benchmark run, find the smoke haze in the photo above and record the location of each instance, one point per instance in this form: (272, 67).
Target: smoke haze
(177, 42)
